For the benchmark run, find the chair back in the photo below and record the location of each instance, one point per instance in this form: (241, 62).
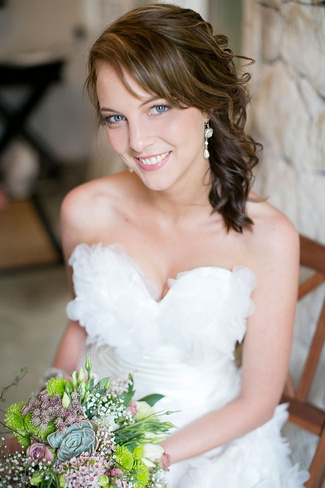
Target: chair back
(301, 412)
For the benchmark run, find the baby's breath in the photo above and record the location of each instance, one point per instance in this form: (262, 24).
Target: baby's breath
(111, 456)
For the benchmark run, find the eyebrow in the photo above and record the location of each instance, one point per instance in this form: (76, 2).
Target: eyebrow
(151, 99)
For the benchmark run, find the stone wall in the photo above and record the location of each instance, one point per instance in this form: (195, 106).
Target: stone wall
(287, 40)
(287, 114)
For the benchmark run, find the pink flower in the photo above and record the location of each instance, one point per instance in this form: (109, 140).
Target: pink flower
(133, 407)
(40, 452)
(119, 481)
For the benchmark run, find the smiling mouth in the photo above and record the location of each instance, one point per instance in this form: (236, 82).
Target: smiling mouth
(153, 160)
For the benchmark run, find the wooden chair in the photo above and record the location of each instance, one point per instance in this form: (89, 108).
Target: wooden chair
(301, 412)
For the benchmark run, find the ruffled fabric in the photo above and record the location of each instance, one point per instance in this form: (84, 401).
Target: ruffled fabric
(117, 305)
(112, 301)
(259, 459)
(182, 347)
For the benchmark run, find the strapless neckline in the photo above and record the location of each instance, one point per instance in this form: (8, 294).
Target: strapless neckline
(118, 305)
(149, 284)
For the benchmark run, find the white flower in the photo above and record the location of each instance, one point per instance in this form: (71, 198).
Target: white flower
(143, 410)
(65, 400)
(152, 452)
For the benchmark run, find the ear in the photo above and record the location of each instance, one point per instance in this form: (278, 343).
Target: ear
(206, 117)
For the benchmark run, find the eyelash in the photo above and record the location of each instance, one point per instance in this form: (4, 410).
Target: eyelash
(109, 118)
(109, 121)
(166, 108)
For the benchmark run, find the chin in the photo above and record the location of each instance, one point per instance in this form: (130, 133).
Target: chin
(155, 184)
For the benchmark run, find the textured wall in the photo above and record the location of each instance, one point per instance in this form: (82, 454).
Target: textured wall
(287, 40)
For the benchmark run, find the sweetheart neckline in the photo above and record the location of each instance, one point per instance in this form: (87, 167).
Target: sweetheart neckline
(100, 245)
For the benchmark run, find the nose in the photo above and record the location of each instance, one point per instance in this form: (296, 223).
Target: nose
(140, 136)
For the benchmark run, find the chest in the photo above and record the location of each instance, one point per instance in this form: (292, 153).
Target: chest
(204, 311)
(162, 256)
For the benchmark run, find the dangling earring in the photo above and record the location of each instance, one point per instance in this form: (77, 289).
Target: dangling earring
(130, 170)
(208, 132)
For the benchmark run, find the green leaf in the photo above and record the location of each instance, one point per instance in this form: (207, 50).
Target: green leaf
(90, 384)
(68, 388)
(152, 399)
(102, 383)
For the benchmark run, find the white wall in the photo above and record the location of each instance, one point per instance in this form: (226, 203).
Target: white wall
(200, 6)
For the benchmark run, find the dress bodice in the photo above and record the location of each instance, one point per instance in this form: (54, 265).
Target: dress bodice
(182, 347)
(203, 313)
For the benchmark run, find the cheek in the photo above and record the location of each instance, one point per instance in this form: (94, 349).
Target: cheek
(116, 140)
(187, 129)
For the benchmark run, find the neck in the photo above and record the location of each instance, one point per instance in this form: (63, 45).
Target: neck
(188, 198)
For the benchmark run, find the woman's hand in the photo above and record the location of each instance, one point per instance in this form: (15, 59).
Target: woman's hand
(165, 461)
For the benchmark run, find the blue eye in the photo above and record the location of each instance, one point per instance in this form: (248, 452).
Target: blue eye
(159, 109)
(114, 119)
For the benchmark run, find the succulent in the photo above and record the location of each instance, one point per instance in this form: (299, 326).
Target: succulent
(78, 438)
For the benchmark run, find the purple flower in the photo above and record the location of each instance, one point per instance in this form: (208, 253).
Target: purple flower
(38, 451)
(36, 421)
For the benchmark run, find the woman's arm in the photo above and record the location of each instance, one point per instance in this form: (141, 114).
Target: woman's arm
(73, 228)
(70, 347)
(266, 349)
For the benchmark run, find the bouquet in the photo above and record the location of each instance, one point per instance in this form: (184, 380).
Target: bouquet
(82, 433)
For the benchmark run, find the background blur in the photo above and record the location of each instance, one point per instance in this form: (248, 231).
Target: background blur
(58, 146)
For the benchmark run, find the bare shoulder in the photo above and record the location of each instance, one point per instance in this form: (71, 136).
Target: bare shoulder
(87, 197)
(91, 208)
(274, 237)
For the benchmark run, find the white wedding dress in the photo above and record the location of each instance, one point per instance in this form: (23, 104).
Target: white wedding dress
(182, 347)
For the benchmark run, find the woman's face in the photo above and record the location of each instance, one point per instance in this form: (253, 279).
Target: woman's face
(162, 144)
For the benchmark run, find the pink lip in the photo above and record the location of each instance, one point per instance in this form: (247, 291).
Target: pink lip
(152, 167)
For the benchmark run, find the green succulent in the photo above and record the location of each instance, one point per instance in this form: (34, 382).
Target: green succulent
(77, 438)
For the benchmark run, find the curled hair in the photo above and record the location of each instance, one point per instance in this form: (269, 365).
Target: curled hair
(172, 52)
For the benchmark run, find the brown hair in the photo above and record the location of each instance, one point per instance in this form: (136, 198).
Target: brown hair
(172, 52)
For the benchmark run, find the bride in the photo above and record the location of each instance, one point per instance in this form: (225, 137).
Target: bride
(175, 260)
